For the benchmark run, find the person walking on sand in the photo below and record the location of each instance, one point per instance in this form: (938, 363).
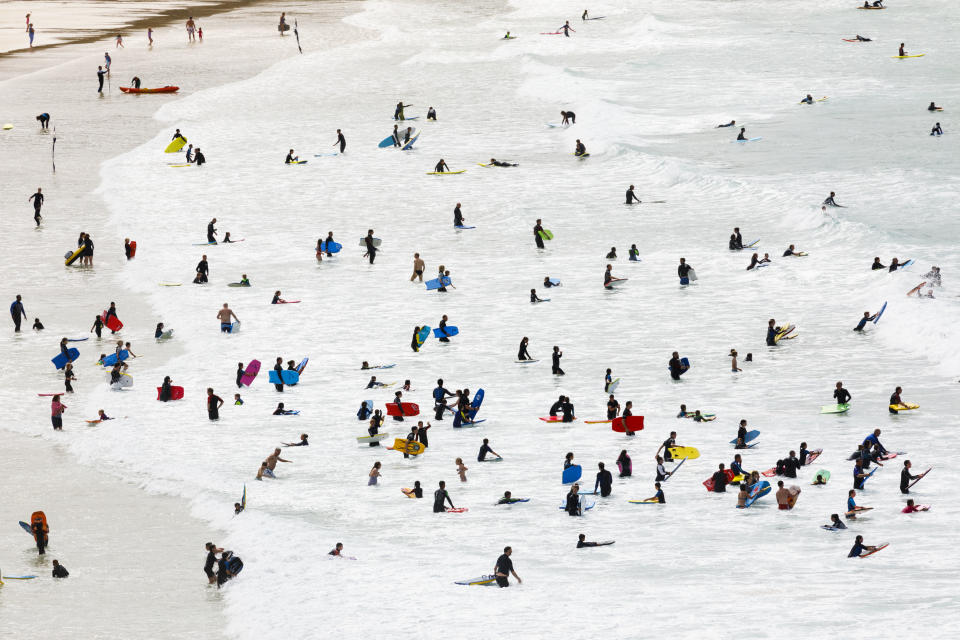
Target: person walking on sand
(120, 42)
(150, 36)
(31, 33)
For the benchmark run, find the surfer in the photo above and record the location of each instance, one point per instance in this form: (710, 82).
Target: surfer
(572, 506)
(807, 100)
(17, 312)
(613, 408)
(683, 271)
(902, 53)
(418, 266)
(212, 230)
(858, 547)
(441, 167)
(876, 264)
(432, 113)
(566, 28)
(59, 571)
(936, 130)
(212, 551)
(416, 492)
(906, 477)
(537, 231)
(100, 74)
(791, 251)
(720, 480)
(583, 17)
(604, 481)
(733, 361)
(737, 466)
(860, 38)
(340, 141)
(666, 446)
(569, 117)
(56, 413)
(581, 149)
(457, 216)
(273, 459)
(754, 261)
(658, 496)
(676, 367)
(504, 568)
(863, 322)
(631, 196)
(625, 464)
(398, 111)
(783, 497)
(291, 159)
(557, 354)
(742, 135)
(37, 203)
(371, 249)
(439, 497)
(894, 401)
(729, 124)
(567, 409)
(910, 508)
(612, 254)
(608, 274)
(841, 395)
(44, 119)
(484, 450)
(372, 481)
(214, 402)
(831, 200)
(498, 163)
(933, 107)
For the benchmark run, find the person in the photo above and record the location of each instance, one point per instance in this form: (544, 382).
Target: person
(432, 113)
(522, 353)
(211, 230)
(910, 508)
(237, 400)
(340, 141)
(198, 157)
(504, 568)
(567, 409)
(566, 28)
(224, 572)
(555, 407)
(44, 119)
(17, 313)
(666, 446)
(416, 492)
(743, 134)
(631, 196)
(557, 354)
(720, 480)
(441, 167)
(783, 497)
(371, 249)
(581, 149)
(398, 111)
(753, 262)
(676, 367)
(537, 230)
(901, 50)
(415, 341)
(191, 27)
(863, 321)
(68, 377)
(916, 290)
(37, 203)
(831, 200)
(634, 253)
(742, 496)
(807, 100)
(772, 332)
(461, 469)
(150, 36)
(457, 216)
(624, 464)
(895, 400)
(484, 450)
(374, 474)
(443, 329)
(273, 459)
(841, 395)
(876, 264)
(100, 74)
(936, 130)
(906, 477)
(212, 551)
(214, 402)
(836, 522)
(858, 547)
(613, 407)
(499, 163)
(535, 298)
(611, 255)
(291, 159)
(439, 497)
(224, 315)
(59, 571)
(933, 276)
(572, 506)
(733, 361)
(37, 325)
(189, 153)
(658, 496)
(338, 548)
(604, 481)
(264, 471)
(584, 16)
(56, 413)
(737, 466)
(683, 271)
(729, 124)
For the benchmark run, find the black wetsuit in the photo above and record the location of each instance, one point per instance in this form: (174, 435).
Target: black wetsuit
(439, 497)
(203, 270)
(60, 571)
(536, 236)
(371, 250)
(40, 536)
(567, 410)
(632, 197)
(771, 334)
(573, 504)
(683, 270)
(213, 407)
(240, 374)
(37, 203)
(605, 482)
(484, 450)
(669, 442)
(100, 74)
(17, 312)
(790, 467)
(342, 141)
(443, 330)
(210, 231)
(675, 368)
(504, 566)
(842, 395)
(208, 565)
(279, 369)
(556, 363)
(457, 217)
(905, 478)
(720, 482)
(199, 158)
(522, 353)
(555, 407)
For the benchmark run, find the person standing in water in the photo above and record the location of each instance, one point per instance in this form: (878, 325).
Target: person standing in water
(566, 28)
(224, 315)
(557, 354)
(44, 119)
(191, 28)
(457, 216)
(341, 141)
(56, 413)
(631, 196)
(214, 402)
(17, 312)
(371, 249)
(537, 230)
(418, 267)
(439, 497)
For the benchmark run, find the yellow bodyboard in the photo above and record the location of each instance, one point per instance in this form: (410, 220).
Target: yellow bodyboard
(412, 447)
(175, 145)
(684, 452)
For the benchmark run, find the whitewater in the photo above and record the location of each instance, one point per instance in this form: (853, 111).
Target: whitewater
(649, 83)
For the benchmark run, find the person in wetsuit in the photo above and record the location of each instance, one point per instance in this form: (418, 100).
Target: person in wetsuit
(537, 230)
(676, 367)
(613, 407)
(569, 117)
(720, 480)
(498, 163)
(604, 481)
(203, 271)
(807, 100)
(572, 506)
(581, 149)
(557, 354)
(683, 271)
(841, 395)
(906, 477)
(371, 249)
(631, 196)
(485, 449)
(625, 464)
(291, 158)
(567, 409)
(432, 113)
(212, 231)
(340, 141)
(522, 353)
(858, 548)
(504, 568)
(198, 158)
(936, 130)
(729, 124)
(457, 216)
(743, 134)
(59, 571)
(441, 167)
(566, 28)
(876, 264)
(862, 39)
(37, 203)
(556, 406)
(439, 399)
(439, 497)
(771, 332)
(831, 201)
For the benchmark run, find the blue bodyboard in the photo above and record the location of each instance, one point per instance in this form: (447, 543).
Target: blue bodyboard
(475, 404)
(286, 376)
(111, 359)
(60, 361)
(330, 246)
(880, 313)
(572, 473)
(751, 435)
(449, 332)
(435, 283)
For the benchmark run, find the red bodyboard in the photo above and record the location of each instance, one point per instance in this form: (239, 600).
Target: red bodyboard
(708, 483)
(133, 248)
(176, 393)
(409, 409)
(113, 323)
(630, 423)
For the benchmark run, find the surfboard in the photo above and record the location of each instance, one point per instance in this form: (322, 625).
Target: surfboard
(234, 327)
(785, 330)
(906, 406)
(302, 365)
(411, 447)
(176, 393)
(175, 145)
(436, 283)
(555, 419)
(880, 313)
(748, 140)
(445, 173)
(26, 527)
(614, 282)
(835, 408)
(61, 359)
(630, 423)
(643, 501)
(526, 361)
(250, 373)
(481, 581)
(409, 143)
(916, 55)
(823, 473)
(423, 334)
(751, 435)
(571, 474)
(449, 332)
(457, 510)
(883, 546)
(613, 385)
(376, 242)
(407, 409)
(329, 246)
(586, 503)
(794, 494)
(871, 8)
(166, 335)
(920, 477)
(475, 404)
(126, 380)
(691, 453)
(709, 483)
(111, 359)
(286, 377)
(758, 490)
(546, 234)
(597, 421)
(376, 438)
(460, 226)
(72, 257)
(582, 155)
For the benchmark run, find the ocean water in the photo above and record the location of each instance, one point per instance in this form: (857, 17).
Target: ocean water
(649, 83)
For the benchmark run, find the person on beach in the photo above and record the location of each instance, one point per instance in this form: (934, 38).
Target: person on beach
(17, 313)
(120, 42)
(56, 413)
(191, 28)
(200, 33)
(44, 119)
(100, 74)
(31, 33)
(224, 315)
(150, 36)
(341, 141)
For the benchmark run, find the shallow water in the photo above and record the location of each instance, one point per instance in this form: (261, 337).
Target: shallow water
(649, 83)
